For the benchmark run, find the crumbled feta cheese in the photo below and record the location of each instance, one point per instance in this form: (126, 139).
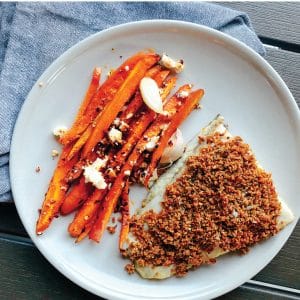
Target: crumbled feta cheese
(54, 153)
(152, 143)
(93, 175)
(115, 135)
(99, 163)
(183, 94)
(126, 68)
(130, 115)
(127, 173)
(41, 84)
(59, 131)
(172, 64)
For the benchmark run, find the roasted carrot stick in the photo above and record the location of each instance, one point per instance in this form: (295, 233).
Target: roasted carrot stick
(125, 215)
(75, 197)
(87, 228)
(81, 141)
(104, 95)
(92, 89)
(188, 105)
(56, 191)
(87, 211)
(111, 110)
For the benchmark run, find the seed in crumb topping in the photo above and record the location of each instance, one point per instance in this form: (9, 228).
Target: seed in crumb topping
(129, 268)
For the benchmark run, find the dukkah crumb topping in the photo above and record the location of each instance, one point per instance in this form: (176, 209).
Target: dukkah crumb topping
(129, 268)
(221, 200)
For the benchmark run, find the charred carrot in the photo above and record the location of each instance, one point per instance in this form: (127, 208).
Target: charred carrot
(111, 110)
(189, 104)
(56, 191)
(92, 89)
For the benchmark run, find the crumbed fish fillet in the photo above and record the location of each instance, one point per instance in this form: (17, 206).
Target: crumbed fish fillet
(155, 198)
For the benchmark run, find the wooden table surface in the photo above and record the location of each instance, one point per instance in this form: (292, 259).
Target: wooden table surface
(25, 274)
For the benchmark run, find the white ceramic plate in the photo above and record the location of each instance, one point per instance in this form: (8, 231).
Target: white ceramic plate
(239, 84)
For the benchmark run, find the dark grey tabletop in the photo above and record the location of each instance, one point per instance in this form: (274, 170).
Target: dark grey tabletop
(25, 274)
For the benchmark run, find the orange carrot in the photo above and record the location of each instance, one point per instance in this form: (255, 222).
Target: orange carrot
(87, 228)
(125, 215)
(81, 141)
(56, 191)
(75, 197)
(86, 212)
(104, 95)
(111, 110)
(189, 104)
(94, 84)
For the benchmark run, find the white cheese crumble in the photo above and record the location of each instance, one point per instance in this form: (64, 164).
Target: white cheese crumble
(54, 153)
(115, 135)
(59, 131)
(127, 173)
(183, 94)
(126, 68)
(152, 143)
(93, 175)
(174, 65)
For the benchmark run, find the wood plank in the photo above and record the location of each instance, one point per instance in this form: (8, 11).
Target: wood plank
(10, 221)
(279, 20)
(287, 64)
(32, 277)
(250, 291)
(25, 274)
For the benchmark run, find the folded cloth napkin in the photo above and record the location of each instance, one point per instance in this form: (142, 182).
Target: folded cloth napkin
(34, 34)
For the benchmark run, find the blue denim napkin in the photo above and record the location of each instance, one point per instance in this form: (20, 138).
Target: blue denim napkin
(34, 34)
